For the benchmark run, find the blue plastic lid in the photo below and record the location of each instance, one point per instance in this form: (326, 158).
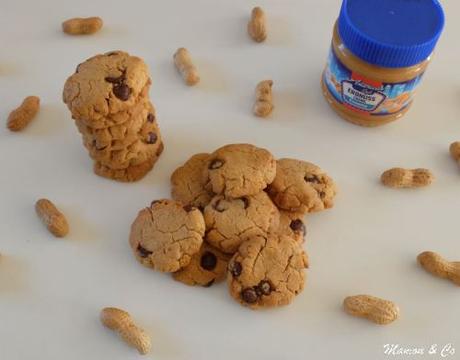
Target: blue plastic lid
(391, 33)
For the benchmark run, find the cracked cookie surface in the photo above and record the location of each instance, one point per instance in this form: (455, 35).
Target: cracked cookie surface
(229, 222)
(267, 272)
(130, 143)
(166, 235)
(106, 84)
(206, 267)
(187, 182)
(300, 186)
(132, 172)
(237, 170)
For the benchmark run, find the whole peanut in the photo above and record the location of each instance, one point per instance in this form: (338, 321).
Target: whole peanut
(257, 28)
(372, 308)
(438, 266)
(184, 64)
(455, 151)
(264, 98)
(82, 26)
(20, 117)
(121, 322)
(54, 220)
(407, 178)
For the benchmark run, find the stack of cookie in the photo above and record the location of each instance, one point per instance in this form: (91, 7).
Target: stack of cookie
(108, 98)
(248, 210)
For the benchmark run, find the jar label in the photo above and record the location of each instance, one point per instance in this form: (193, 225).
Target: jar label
(365, 95)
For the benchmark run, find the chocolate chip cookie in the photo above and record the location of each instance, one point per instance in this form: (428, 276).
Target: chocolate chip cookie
(238, 170)
(229, 222)
(267, 272)
(293, 225)
(166, 235)
(128, 144)
(206, 267)
(106, 84)
(132, 172)
(187, 182)
(300, 186)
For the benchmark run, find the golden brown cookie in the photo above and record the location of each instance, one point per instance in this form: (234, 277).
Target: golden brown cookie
(300, 186)
(229, 222)
(293, 225)
(106, 84)
(120, 158)
(123, 131)
(187, 182)
(206, 267)
(131, 173)
(238, 170)
(267, 272)
(166, 235)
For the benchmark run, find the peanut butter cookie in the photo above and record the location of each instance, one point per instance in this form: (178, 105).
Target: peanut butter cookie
(238, 170)
(267, 272)
(166, 235)
(300, 186)
(132, 172)
(106, 84)
(229, 222)
(187, 182)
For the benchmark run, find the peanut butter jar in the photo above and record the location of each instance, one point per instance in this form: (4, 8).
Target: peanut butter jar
(380, 50)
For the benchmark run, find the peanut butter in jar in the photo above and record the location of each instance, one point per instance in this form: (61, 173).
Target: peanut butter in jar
(379, 53)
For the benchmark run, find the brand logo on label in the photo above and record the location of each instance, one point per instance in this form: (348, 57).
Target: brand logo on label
(360, 96)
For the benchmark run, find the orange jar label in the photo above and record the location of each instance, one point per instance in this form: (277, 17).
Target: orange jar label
(365, 95)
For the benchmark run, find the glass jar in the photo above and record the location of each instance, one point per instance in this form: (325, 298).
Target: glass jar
(379, 53)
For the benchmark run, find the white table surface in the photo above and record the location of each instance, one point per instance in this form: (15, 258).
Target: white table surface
(51, 291)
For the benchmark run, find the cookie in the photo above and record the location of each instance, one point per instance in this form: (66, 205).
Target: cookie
(166, 235)
(300, 186)
(130, 143)
(131, 173)
(118, 158)
(229, 222)
(267, 272)
(106, 84)
(206, 267)
(187, 182)
(293, 225)
(238, 170)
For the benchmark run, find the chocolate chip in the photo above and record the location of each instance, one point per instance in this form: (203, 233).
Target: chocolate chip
(122, 91)
(208, 261)
(152, 138)
(150, 118)
(189, 208)
(236, 269)
(312, 178)
(249, 295)
(298, 225)
(219, 206)
(143, 252)
(209, 283)
(245, 202)
(112, 53)
(216, 164)
(264, 288)
(322, 194)
(114, 80)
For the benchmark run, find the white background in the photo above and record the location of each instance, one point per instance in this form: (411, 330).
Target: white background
(51, 291)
